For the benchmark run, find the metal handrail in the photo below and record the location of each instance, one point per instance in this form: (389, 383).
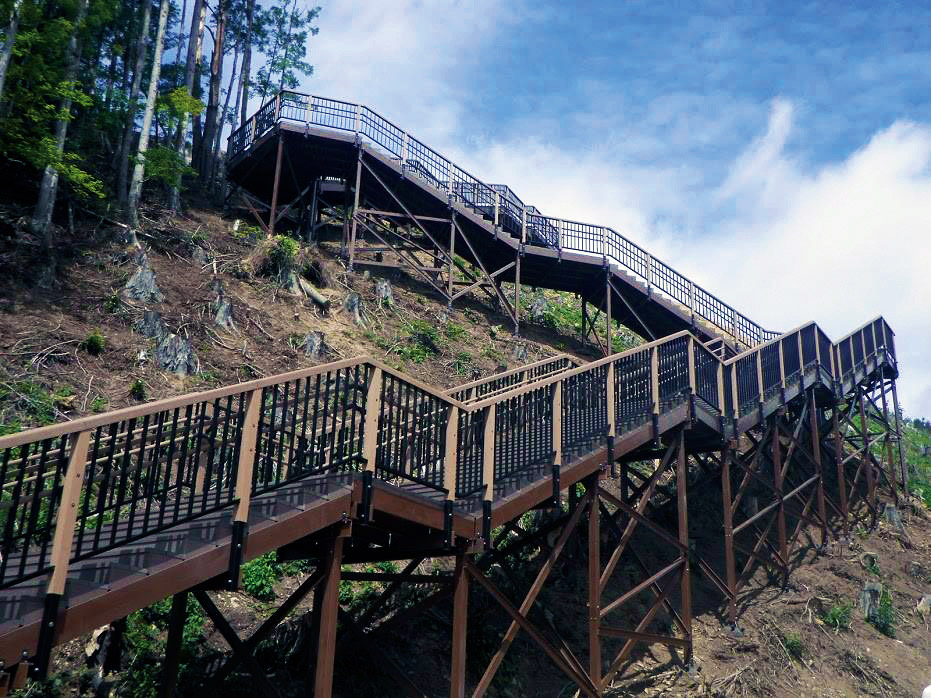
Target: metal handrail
(498, 202)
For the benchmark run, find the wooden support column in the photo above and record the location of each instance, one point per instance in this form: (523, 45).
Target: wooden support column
(243, 489)
(865, 458)
(271, 215)
(372, 412)
(816, 455)
(517, 292)
(686, 576)
(777, 486)
(594, 582)
(839, 463)
(887, 439)
(457, 671)
(355, 207)
(608, 347)
(176, 618)
(729, 452)
(329, 611)
(452, 257)
(898, 431)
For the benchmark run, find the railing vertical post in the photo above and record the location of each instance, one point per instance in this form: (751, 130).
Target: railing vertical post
(357, 119)
(243, 490)
(523, 226)
(559, 233)
(604, 242)
(692, 364)
(654, 389)
(556, 410)
(862, 334)
(405, 146)
(801, 353)
(734, 322)
(649, 265)
(735, 395)
(759, 375)
(488, 471)
(692, 297)
(611, 400)
(782, 367)
(61, 549)
(450, 455)
(720, 376)
(277, 106)
(370, 426)
(497, 208)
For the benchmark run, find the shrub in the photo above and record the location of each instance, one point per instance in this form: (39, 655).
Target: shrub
(838, 616)
(455, 332)
(137, 389)
(462, 364)
(113, 303)
(260, 575)
(884, 618)
(283, 253)
(794, 645)
(94, 343)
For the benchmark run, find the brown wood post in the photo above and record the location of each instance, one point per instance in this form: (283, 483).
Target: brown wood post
(898, 431)
(865, 457)
(720, 378)
(450, 456)
(372, 412)
(654, 379)
(730, 449)
(452, 256)
(682, 506)
(248, 445)
(887, 439)
(272, 211)
(176, 618)
(556, 411)
(692, 365)
(355, 208)
(68, 512)
(777, 486)
(488, 453)
(608, 348)
(329, 610)
(734, 393)
(839, 463)
(594, 583)
(611, 401)
(816, 454)
(457, 672)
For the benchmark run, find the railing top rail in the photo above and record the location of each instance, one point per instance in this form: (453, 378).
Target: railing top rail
(745, 334)
(511, 372)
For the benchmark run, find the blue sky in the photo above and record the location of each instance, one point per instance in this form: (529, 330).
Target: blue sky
(731, 139)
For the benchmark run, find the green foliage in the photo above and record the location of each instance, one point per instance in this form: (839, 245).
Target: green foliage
(794, 645)
(463, 363)
(99, 404)
(283, 253)
(27, 398)
(260, 575)
(94, 344)
(884, 618)
(137, 389)
(250, 233)
(872, 566)
(455, 332)
(166, 165)
(838, 616)
(113, 303)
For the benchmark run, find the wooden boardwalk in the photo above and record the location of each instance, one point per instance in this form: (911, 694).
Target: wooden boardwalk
(354, 462)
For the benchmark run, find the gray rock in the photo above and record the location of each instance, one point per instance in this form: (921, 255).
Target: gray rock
(224, 314)
(924, 607)
(869, 599)
(314, 346)
(141, 285)
(915, 570)
(442, 318)
(288, 281)
(538, 308)
(519, 352)
(353, 306)
(894, 517)
(152, 326)
(175, 354)
(199, 256)
(383, 293)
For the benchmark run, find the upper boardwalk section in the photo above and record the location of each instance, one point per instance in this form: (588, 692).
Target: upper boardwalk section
(327, 138)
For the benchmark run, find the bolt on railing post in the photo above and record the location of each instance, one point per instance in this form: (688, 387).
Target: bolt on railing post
(370, 427)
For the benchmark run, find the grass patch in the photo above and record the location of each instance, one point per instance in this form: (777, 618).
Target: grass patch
(838, 616)
(137, 390)
(94, 343)
(884, 618)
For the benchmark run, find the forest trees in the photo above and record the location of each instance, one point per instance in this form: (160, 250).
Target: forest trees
(93, 90)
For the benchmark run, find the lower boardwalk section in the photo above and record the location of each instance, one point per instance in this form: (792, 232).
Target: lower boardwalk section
(670, 474)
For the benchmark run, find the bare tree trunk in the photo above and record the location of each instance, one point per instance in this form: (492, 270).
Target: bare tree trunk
(242, 96)
(8, 41)
(181, 32)
(193, 55)
(213, 99)
(197, 130)
(287, 46)
(42, 215)
(122, 189)
(215, 159)
(135, 188)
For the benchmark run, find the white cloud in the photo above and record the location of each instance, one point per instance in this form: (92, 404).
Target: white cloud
(782, 240)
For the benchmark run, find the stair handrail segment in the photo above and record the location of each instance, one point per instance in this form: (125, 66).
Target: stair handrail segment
(496, 202)
(146, 468)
